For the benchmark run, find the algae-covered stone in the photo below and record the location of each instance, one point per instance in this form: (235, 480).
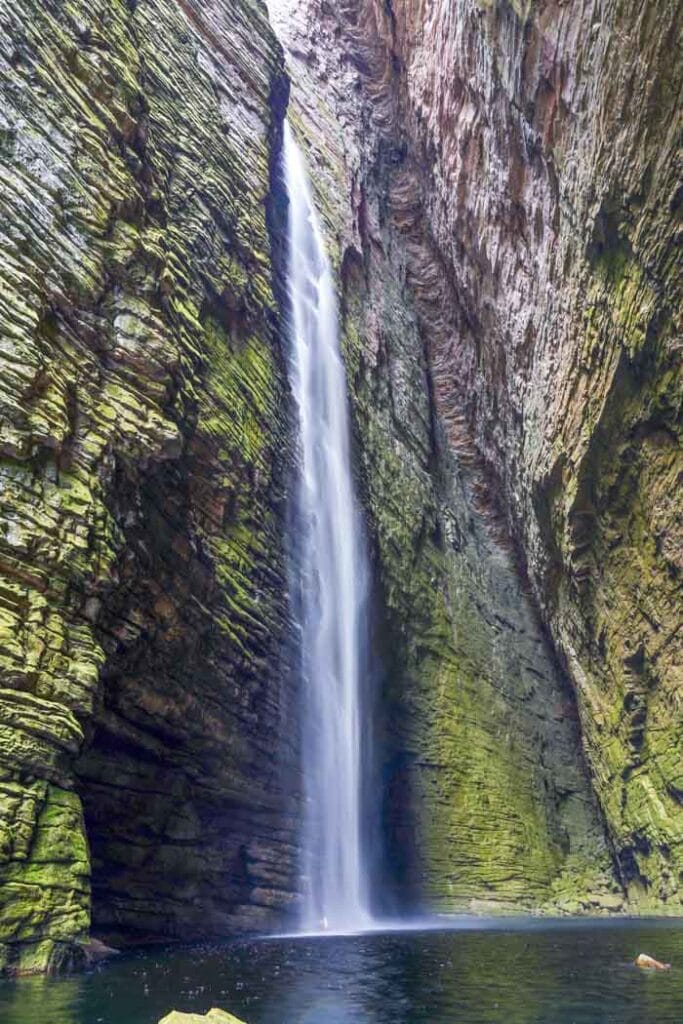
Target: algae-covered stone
(487, 802)
(540, 266)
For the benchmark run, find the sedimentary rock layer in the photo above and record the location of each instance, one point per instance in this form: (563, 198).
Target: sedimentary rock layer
(486, 798)
(143, 436)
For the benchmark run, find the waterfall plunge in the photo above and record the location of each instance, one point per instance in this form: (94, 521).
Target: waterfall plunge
(331, 577)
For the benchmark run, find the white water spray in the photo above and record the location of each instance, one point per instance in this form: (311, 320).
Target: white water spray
(331, 577)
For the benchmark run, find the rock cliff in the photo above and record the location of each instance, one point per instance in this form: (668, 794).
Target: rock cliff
(505, 191)
(148, 745)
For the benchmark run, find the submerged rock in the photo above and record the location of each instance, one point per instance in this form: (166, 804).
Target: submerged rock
(96, 950)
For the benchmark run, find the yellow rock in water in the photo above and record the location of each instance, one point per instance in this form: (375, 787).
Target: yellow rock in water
(643, 960)
(212, 1017)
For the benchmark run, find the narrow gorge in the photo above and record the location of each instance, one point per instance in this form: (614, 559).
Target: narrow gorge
(498, 184)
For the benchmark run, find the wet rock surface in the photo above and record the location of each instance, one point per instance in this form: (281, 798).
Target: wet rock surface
(648, 963)
(212, 1017)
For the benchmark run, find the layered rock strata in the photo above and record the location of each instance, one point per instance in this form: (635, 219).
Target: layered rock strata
(515, 168)
(147, 743)
(486, 799)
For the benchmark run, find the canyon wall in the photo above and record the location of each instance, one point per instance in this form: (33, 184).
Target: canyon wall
(503, 183)
(148, 737)
(499, 184)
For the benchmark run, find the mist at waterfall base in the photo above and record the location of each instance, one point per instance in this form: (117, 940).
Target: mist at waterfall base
(328, 580)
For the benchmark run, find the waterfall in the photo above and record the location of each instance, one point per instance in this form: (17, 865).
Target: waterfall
(330, 577)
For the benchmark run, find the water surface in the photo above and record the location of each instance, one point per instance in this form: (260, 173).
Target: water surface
(521, 972)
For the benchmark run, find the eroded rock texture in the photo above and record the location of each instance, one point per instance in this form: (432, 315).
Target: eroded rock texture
(513, 168)
(145, 692)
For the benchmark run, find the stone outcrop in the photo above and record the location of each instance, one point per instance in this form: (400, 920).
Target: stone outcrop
(487, 801)
(148, 750)
(212, 1017)
(502, 180)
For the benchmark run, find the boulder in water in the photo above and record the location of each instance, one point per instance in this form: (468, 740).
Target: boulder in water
(96, 950)
(212, 1017)
(650, 964)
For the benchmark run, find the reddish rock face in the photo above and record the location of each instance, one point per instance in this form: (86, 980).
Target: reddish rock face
(522, 156)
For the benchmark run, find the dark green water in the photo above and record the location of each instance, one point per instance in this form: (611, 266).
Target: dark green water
(526, 972)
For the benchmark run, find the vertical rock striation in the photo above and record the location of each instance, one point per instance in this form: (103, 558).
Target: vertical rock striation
(142, 456)
(515, 166)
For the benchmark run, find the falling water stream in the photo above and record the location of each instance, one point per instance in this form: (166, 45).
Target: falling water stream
(331, 575)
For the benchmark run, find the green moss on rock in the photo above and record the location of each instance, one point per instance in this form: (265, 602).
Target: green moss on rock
(490, 789)
(141, 433)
